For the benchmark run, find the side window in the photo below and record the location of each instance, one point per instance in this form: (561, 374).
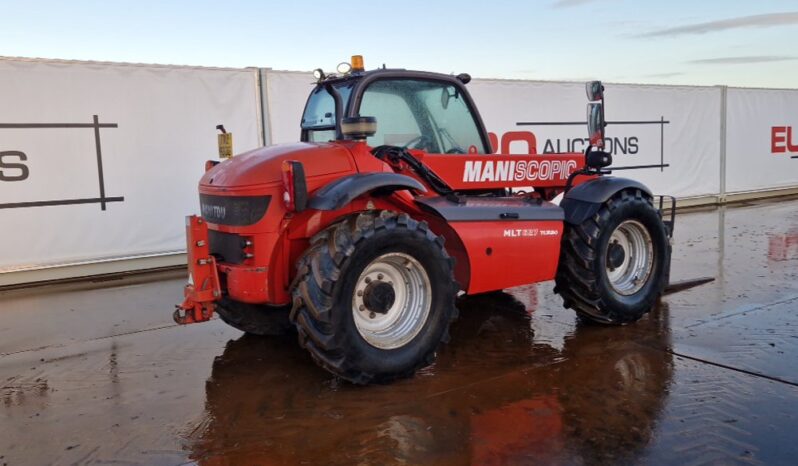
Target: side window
(453, 120)
(318, 120)
(396, 123)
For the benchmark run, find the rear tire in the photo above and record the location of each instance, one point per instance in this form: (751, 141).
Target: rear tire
(374, 297)
(255, 319)
(613, 266)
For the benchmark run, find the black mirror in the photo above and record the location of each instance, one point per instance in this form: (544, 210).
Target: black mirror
(445, 98)
(595, 90)
(358, 128)
(598, 159)
(595, 124)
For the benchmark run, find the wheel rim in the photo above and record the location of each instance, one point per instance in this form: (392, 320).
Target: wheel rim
(630, 257)
(391, 301)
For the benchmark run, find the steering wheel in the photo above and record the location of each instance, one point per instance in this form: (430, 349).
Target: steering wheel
(421, 142)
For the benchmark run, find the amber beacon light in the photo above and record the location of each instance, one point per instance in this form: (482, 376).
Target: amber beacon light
(357, 63)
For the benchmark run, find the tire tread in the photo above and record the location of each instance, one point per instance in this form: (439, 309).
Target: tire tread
(576, 279)
(320, 267)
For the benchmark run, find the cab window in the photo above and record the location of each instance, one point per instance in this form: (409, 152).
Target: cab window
(421, 114)
(318, 121)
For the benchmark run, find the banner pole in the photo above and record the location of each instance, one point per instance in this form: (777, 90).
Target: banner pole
(258, 105)
(265, 111)
(723, 95)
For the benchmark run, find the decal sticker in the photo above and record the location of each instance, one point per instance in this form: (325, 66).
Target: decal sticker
(478, 171)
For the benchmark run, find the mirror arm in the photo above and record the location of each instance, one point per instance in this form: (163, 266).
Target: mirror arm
(339, 135)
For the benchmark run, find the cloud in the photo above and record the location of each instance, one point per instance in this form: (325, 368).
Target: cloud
(753, 21)
(741, 60)
(663, 75)
(570, 3)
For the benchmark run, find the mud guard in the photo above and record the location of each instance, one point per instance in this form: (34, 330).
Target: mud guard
(583, 201)
(341, 192)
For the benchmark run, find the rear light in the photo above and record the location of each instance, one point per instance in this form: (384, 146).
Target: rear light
(249, 252)
(295, 194)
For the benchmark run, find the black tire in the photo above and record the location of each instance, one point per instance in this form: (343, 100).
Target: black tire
(255, 319)
(582, 277)
(326, 280)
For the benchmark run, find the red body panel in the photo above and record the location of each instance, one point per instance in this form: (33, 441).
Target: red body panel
(506, 254)
(264, 277)
(246, 284)
(519, 252)
(264, 166)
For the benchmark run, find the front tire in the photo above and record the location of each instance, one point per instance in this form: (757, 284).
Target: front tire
(613, 266)
(374, 297)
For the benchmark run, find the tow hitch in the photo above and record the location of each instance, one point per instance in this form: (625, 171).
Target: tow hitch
(203, 286)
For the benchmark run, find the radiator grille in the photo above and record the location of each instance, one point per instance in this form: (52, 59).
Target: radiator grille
(233, 210)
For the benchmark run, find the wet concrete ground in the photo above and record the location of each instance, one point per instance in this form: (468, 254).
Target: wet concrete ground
(98, 374)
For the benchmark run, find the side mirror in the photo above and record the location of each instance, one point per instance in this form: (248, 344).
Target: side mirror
(594, 90)
(358, 128)
(598, 159)
(596, 124)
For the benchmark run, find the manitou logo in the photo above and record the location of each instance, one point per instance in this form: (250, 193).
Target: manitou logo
(213, 211)
(477, 171)
(781, 140)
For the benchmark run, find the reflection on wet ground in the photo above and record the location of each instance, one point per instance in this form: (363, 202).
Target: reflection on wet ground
(97, 374)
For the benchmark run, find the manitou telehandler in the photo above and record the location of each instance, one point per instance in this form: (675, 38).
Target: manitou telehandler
(362, 235)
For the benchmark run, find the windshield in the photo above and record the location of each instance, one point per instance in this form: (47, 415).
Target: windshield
(318, 121)
(420, 114)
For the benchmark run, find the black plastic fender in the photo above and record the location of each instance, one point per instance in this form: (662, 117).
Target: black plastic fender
(583, 201)
(341, 192)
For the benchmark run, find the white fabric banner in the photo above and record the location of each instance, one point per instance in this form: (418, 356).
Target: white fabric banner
(287, 93)
(78, 188)
(761, 139)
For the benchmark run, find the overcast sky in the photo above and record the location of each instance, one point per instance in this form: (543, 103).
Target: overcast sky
(742, 43)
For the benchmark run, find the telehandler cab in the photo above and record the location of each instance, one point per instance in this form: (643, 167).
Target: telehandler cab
(362, 235)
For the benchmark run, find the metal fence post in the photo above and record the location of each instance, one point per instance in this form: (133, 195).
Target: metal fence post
(723, 96)
(265, 111)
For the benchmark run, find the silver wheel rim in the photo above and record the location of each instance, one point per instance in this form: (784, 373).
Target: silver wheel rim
(633, 272)
(395, 326)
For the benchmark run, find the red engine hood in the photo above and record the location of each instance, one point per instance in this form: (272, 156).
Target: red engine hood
(263, 166)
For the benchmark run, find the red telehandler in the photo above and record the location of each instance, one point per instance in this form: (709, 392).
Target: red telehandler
(362, 235)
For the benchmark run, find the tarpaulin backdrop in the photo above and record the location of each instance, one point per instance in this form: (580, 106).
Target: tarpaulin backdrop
(762, 139)
(156, 128)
